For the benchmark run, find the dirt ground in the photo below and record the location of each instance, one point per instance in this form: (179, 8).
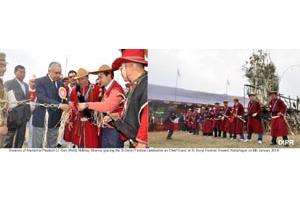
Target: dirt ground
(186, 140)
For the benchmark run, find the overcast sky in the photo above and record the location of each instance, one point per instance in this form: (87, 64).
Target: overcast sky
(208, 70)
(37, 61)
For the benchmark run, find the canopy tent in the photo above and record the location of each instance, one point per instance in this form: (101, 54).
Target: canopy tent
(183, 96)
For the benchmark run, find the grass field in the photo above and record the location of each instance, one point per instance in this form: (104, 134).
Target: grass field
(184, 139)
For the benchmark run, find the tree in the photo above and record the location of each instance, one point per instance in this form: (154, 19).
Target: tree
(261, 74)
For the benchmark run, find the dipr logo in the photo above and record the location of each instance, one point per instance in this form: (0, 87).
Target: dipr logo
(286, 142)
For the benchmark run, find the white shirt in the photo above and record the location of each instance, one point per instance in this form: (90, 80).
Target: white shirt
(70, 89)
(53, 80)
(108, 86)
(22, 86)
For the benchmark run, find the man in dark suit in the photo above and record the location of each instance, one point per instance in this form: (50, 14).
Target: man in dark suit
(19, 115)
(47, 93)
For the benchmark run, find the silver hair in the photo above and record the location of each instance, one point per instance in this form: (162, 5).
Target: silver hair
(52, 64)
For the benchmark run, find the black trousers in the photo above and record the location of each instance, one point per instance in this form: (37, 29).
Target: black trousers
(170, 133)
(274, 139)
(16, 136)
(217, 132)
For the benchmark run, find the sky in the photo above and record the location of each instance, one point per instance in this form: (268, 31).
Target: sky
(199, 69)
(36, 61)
(209, 70)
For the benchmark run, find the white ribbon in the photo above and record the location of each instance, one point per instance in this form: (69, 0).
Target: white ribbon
(64, 119)
(45, 128)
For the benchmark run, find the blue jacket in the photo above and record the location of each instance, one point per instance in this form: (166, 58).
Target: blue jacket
(47, 93)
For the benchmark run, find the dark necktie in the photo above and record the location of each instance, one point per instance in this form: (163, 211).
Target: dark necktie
(54, 82)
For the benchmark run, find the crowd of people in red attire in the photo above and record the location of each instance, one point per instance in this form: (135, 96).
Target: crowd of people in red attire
(226, 121)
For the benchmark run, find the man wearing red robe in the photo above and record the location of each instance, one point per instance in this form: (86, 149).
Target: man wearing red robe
(238, 121)
(111, 101)
(226, 120)
(197, 121)
(71, 83)
(134, 120)
(170, 125)
(254, 124)
(84, 131)
(217, 120)
(188, 117)
(208, 122)
(193, 121)
(279, 126)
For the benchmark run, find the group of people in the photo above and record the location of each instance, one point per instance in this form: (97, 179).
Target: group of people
(225, 121)
(74, 112)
